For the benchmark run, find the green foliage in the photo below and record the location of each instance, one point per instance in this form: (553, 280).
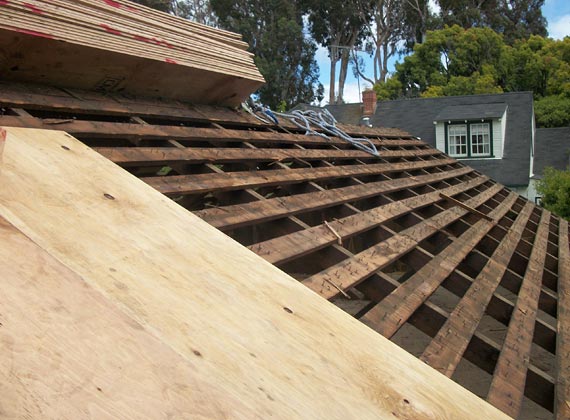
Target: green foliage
(433, 92)
(465, 13)
(541, 65)
(274, 31)
(333, 21)
(552, 111)
(196, 10)
(459, 85)
(518, 19)
(554, 188)
(388, 90)
(282, 107)
(486, 83)
(461, 62)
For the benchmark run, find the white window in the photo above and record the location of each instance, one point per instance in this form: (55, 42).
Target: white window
(473, 139)
(457, 135)
(480, 140)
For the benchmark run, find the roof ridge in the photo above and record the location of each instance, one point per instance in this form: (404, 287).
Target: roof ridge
(461, 96)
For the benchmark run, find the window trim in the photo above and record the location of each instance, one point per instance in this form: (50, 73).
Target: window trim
(468, 123)
(448, 145)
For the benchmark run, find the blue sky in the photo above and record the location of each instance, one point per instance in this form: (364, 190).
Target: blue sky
(557, 13)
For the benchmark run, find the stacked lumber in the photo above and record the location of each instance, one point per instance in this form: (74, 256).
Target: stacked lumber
(116, 45)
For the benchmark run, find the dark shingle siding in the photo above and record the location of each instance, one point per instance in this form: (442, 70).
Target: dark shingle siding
(347, 113)
(471, 112)
(552, 148)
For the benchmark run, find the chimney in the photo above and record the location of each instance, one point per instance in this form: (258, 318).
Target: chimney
(369, 100)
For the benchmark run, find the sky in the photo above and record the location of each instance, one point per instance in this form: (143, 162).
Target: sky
(557, 13)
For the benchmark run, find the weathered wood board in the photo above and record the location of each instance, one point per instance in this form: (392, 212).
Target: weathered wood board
(118, 303)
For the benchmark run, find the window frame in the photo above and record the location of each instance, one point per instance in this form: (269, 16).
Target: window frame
(448, 145)
(469, 154)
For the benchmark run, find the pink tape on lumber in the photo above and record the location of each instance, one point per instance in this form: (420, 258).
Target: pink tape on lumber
(170, 60)
(110, 30)
(3, 2)
(34, 9)
(34, 33)
(113, 3)
(141, 38)
(145, 39)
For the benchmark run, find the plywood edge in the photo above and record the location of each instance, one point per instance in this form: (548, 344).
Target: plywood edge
(2, 142)
(254, 326)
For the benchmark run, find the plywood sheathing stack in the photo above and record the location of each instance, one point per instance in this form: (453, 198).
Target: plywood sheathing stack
(114, 45)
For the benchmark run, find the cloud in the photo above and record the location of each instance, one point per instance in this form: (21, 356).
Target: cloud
(434, 7)
(322, 54)
(351, 94)
(559, 27)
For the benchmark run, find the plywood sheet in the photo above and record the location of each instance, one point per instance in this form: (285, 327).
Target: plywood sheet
(68, 352)
(231, 335)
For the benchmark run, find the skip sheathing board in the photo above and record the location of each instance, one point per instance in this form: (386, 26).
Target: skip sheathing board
(382, 237)
(110, 45)
(118, 303)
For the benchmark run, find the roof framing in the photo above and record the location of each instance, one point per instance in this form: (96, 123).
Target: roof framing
(378, 235)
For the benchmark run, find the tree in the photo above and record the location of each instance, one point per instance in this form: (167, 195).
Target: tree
(554, 188)
(386, 31)
(466, 13)
(515, 19)
(418, 18)
(337, 26)
(162, 5)
(396, 27)
(552, 111)
(389, 90)
(518, 19)
(196, 10)
(527, 67)
(454, 61)
(542, 66)
(274, 31)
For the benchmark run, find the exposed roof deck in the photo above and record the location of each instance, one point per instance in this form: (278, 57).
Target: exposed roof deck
(385, 238)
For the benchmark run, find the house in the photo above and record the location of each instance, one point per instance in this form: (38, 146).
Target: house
(491, 133)
(322, 281)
